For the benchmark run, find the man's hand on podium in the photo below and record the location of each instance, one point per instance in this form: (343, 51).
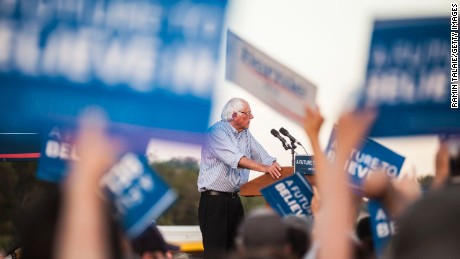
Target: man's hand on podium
(274, 170)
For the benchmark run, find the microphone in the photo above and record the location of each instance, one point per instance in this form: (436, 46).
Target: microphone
(277, 135)
(286, 133)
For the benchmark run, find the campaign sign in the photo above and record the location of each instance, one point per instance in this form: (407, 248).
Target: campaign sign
(372, 156)
(291, 195)
(408, 77)
(58, 149)
(383, 228)
(57, 152)
(273, 83)
(146, 63)
(138, 194)
(304, 164)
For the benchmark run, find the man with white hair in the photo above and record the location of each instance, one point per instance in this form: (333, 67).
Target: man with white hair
(228, 154)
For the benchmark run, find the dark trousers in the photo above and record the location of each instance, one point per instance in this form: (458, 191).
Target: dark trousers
(219, 217)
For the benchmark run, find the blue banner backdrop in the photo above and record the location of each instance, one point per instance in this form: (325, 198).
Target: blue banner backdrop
(146, 63)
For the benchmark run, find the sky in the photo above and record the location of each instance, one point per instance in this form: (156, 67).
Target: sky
(327, 42)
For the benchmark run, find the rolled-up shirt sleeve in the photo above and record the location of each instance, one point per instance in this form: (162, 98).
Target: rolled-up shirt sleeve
(222, 148)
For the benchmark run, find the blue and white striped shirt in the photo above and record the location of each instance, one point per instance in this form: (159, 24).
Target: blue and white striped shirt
(223, 149)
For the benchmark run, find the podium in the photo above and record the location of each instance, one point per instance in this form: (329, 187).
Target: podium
(252, 188)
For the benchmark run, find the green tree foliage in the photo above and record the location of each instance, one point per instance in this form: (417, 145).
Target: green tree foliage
(182, 174)
(250, 203)
(18, 189)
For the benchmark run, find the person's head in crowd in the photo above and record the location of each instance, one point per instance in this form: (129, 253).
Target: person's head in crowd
(238, 112)
(431, 227)
(447, 161)
(363, 232)
(263, 235)
(151, 244)
(39, 227)
(454, 158)
(299, 234)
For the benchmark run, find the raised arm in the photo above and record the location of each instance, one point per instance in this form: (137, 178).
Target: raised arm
(333, 224)
(82, 230)
(442, 165)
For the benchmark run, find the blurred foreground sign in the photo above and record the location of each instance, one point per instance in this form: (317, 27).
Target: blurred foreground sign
(57, 152)
(371, 157)
(138, 194)
(279, 87)
(147, 63)
(383, 227)
(409, 77)
(291, 195)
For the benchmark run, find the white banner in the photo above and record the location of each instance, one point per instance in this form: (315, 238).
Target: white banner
(273, 83)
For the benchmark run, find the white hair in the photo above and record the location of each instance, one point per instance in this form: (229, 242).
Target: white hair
(233, 105)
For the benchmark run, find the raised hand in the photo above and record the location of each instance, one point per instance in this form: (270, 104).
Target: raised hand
(352, 128)
(312, 122)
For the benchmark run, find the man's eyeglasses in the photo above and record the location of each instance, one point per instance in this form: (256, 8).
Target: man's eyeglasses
(247, 113)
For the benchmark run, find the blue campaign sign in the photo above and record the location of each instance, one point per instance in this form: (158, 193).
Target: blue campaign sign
(138, 194)
(372, 156)
(304, 164)
(409, 77)
(381, 224)
(57, 152)
(151, 64)
(291, 195)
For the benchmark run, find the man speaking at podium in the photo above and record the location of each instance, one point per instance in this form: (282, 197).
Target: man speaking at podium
(228, 154)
